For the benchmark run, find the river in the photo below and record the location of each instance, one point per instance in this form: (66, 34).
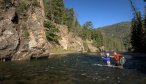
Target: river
(72, 69)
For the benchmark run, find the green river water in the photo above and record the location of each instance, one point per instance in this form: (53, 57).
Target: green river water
(72, 69)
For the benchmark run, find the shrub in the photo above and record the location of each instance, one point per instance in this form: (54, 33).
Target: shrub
(51, 31)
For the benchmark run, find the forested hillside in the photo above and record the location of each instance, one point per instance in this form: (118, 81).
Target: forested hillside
(116, 35)
(118, 30)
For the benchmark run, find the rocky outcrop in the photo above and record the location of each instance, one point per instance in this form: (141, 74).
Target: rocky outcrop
(22, 33)
(73, 43)
(9, 38)
(90, 46)
(68, 40)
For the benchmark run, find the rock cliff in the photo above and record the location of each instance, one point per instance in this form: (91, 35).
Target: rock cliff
(90, 46)
(69, 41)
(22, 33)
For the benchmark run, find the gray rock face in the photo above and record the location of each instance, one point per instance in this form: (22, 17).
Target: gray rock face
(69, 41)
(22, 34)
(9, 39)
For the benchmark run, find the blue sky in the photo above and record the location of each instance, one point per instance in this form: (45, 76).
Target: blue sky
(103, 12)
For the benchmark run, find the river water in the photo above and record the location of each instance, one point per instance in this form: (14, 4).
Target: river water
(72, 69)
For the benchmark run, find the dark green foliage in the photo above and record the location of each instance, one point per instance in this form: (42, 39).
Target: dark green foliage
(51, 31)
(92, 34)
(48, 24)
(51, 36)
(127, 42)
(55, 10)
(138, 33)
(57, 13)
(88, 25)
(97, 38)
(69, 19)
(144, 30)
(87, 30)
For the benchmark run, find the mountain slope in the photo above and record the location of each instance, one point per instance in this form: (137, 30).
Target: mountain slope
(118, 30)
(114, 36)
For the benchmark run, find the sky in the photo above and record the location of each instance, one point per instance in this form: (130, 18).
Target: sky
(103, 12)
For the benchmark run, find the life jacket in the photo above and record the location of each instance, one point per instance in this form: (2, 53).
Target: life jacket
(117, 57)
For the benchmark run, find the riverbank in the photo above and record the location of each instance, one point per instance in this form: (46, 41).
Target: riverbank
(62, 54)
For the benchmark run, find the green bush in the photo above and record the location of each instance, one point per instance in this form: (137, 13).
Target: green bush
(48, 24)
(51, 36)
(51, 31)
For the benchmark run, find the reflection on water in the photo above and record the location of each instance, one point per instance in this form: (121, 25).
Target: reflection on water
(71, 69)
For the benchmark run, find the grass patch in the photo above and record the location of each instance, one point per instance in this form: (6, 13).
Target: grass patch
(57, 49)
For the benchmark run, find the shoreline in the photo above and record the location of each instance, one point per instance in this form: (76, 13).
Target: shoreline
(62, 54)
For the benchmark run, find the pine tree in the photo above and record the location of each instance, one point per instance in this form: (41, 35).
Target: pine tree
(144, 31)
(69, 19)
(137, 33)
(55, 10)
